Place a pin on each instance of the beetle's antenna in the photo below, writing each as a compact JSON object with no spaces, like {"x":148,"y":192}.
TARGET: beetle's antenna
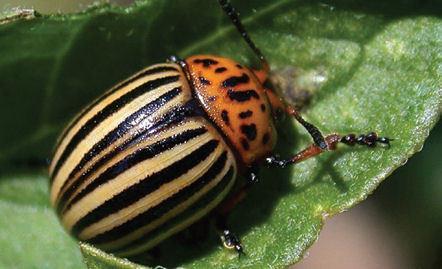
{"x":234,"y":17}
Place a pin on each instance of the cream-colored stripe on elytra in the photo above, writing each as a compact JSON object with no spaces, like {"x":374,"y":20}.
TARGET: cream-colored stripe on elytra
{"x":116,"y":88}
{"x":184,"y":223}
{"x":186,"y":125}
{"x":109,"y":99}
{"x":129,"y":177}
{"x":169,"y":215}
{"x":146,"y":123}
{"x":153,"y":199}
{"x":104,"y":128}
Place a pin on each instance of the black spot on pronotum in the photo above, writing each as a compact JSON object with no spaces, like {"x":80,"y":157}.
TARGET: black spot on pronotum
{"x":263,"y":108}
{"x":245,"y":114}
{"x":245,"y":144}
{"x":249,"y":130}
{"x":265,"y":138}
{"x":225,"y":117}
{"x":239,"y":66}
{"x":206,"y":62}
{"x":220,"y":69}
{"x":242,"y":96}
{"x":268,"y":85}
{"x":235,"y":81}
{"x":204,"y":81}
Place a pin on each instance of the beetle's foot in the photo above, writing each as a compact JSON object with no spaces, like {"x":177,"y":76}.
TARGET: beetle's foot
{"x":252,"y":175}
{"x":371,"y":140}
{"x":174,"y":59}
{"x":331,"y":141}
{"x":177,"y":60}
{"x":231,"y":241}
{"x":275,"y":160}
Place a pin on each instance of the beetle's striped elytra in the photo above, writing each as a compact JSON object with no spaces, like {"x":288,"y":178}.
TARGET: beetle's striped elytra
{"x":137,"y":159}
{"x":163,"y":148}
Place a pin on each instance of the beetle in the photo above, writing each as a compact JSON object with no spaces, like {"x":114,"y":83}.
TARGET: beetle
{"x":163,"y":148}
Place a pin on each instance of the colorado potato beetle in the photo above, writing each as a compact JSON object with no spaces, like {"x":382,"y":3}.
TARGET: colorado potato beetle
{"x":163,"y":148}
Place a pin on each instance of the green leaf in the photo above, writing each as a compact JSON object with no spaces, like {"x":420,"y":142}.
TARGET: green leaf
{"x":30,"y":234}
{"x":97,"y":259}
{"x":370,"y":66}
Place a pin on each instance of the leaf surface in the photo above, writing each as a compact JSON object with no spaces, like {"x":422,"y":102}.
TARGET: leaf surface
{"x":369,"y":66}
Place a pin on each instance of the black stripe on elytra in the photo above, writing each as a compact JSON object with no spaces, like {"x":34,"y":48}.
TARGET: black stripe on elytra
{"x":201,"y":204}
{"x":249,"y":130}
{"x":235,"y":81}
{"x":110,"y":109}
{"x":206,"y":62}
{"x":174,"y":116}
{"x":245,"y":114}
{"x":162,"y":208}
{"x":124,"y":164}
{"x":128,"y":123}
{"x":119,"y":86}
{"x":242,"y":96}
{"x":145,"y":186}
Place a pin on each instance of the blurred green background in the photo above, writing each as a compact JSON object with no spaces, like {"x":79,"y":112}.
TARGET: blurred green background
{"x":399,"y":226}
{"x":53,"y":6}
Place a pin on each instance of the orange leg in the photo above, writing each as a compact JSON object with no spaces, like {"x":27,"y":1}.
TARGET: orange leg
{"x":370,"y":140}
{"x":321,"y":143}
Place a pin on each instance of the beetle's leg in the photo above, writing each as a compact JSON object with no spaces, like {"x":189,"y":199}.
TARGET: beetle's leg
{"x":229,"y":239}
{"x":279,"y":107}
{"x":229,"y":204}
{"x":314,"y":132}
{"x":262,"y":75}
{"x":176,"y":59}
{"x":370,"y":140}
{"x":321,"y":143}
